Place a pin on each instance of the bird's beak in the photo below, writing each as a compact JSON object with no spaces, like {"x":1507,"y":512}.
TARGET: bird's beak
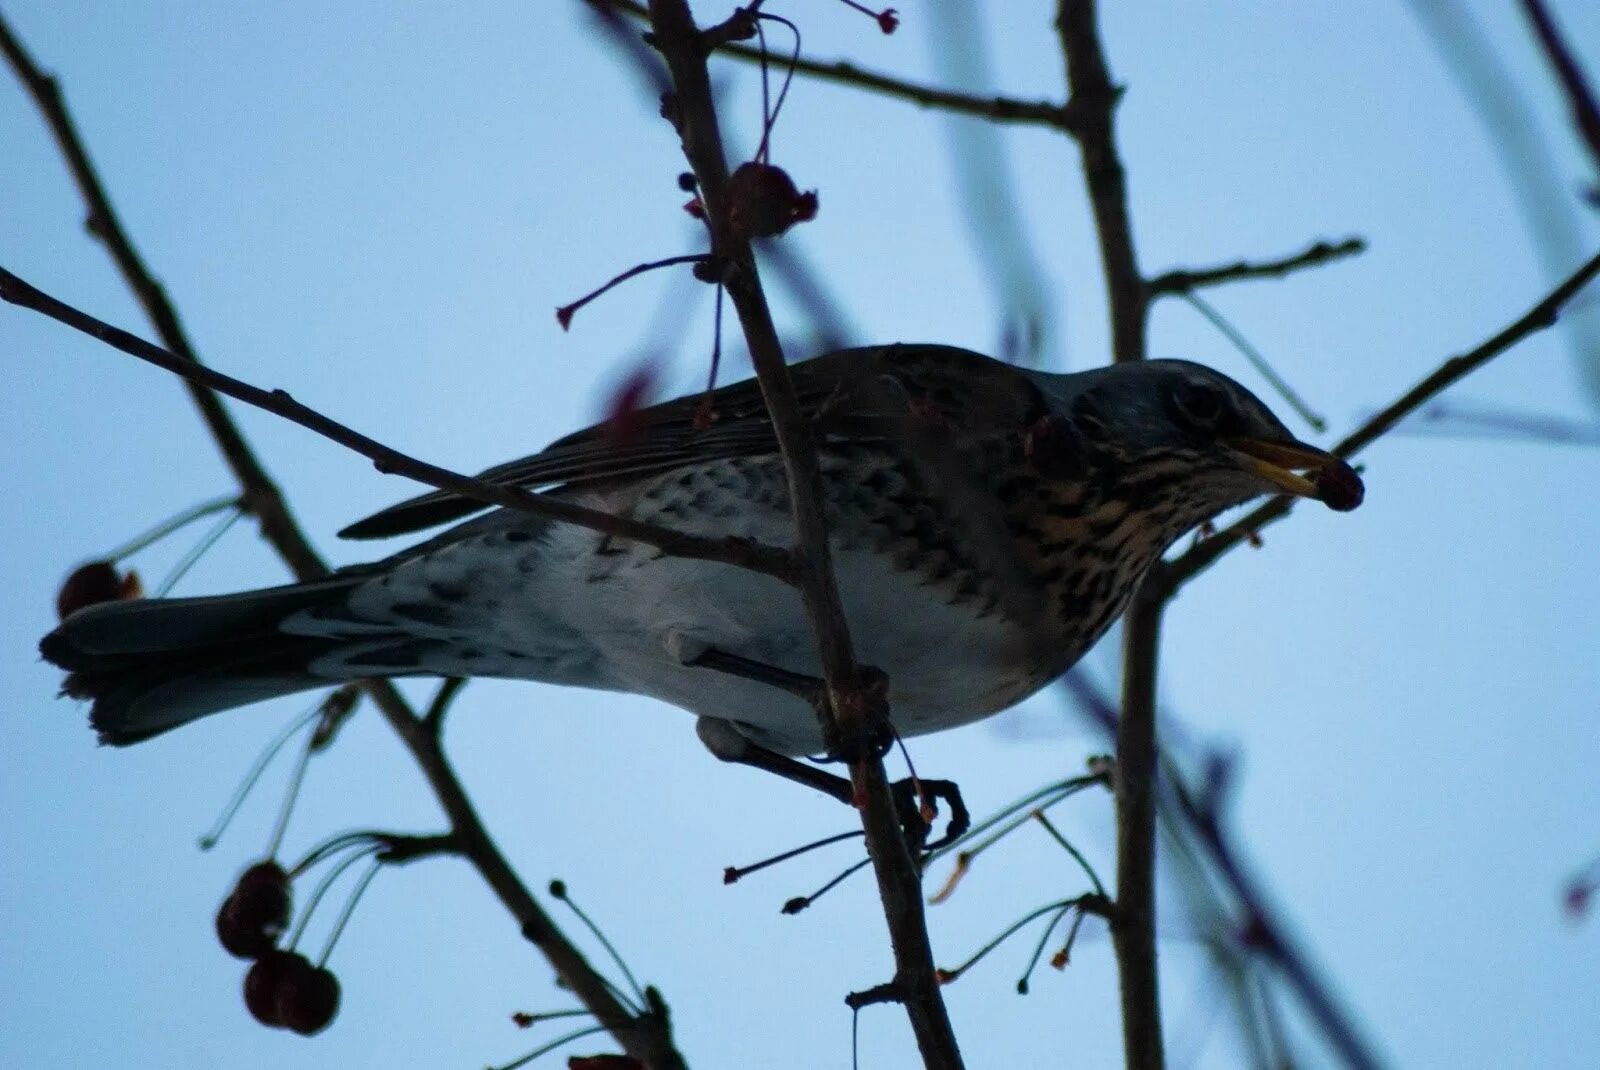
{"x":1325,"y":477}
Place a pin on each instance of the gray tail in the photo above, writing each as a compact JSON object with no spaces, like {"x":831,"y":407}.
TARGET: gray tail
{"x":153,"y":665}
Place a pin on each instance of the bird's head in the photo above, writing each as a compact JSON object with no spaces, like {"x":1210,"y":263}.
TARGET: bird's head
{"x":1182,"y":439}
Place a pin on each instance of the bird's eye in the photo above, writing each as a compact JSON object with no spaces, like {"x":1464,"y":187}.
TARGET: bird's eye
{"x":1200,"y":405}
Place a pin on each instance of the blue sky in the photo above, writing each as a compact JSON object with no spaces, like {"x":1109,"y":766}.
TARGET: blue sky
{"x":378,"y":206}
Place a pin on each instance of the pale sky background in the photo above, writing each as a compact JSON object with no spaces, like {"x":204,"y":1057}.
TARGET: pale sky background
{"x":377,"y":206}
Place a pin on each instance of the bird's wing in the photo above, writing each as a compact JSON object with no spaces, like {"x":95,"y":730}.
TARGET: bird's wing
{"x":853,"y":395}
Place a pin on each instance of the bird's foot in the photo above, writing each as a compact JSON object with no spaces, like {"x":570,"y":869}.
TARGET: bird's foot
{"x":916,"y":802}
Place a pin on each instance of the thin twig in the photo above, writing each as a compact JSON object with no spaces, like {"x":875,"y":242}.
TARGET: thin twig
{"x":1580,"y":97}
{"x":841,"y":72}
{"x":1185,"y":281}
{"x":648,"y":1036}
{"x":1166,"y":579}
{"x":694,"y":113}
{"x":1258,"y":360}
{"x":449,"y":688}
{"x":744,"y":553}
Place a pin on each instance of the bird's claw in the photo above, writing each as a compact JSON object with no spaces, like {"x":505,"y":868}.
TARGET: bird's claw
{"x":914,"y":801}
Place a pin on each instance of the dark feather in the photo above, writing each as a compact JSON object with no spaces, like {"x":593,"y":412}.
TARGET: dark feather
{"x":152,"y":665}
{"x":853,"y":395}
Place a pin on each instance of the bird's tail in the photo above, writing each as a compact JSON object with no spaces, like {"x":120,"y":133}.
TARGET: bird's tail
{"x":153,"y":665}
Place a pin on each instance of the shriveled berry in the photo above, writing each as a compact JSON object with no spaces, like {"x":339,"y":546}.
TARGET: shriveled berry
{"x":238,"y":939}
{"x":96,"y":582}
{"x":1339,"y":487}
{"x":763,"y":201}
{"x":265,"y":981}
{"x":308,"y":999}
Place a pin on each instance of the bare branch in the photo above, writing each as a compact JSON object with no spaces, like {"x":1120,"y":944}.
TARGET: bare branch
{"x":1166,"y":579}
{"x":851,"y":705}
{"x":744,"y":553}
{"x":1258,"y":360}
{"x":1094,"y":99}
{"x":842,"y":72}
{"x":1322,"y":252}
{"x":449,"y":689}
{"x":1133,"y":930}
{"x":1580,"y":98}
{"x":1133,"y":925}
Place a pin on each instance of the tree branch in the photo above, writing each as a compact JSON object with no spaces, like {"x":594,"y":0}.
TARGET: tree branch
{"x":1133,"y":926}
{"x":852,"y":706}
{"x":645,"y":1035}
{"x":744,"y":553}
{"x":1167,"y":578}
{"x":1128,"y":297}
{"x":1094,"y":99}
{"x":842,"y":72}
{"x":1580,"y":98}
{"x":1322,"y":252}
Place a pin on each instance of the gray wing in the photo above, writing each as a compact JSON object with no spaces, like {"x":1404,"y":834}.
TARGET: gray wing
{"x":852,"y":395}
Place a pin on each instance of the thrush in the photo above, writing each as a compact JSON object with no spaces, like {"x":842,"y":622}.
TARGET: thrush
{"x":988,"y":523}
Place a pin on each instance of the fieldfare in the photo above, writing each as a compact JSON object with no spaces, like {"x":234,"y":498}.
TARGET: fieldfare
{"x":988,"y":522}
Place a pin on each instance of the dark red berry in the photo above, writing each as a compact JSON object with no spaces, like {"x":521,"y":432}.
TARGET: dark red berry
{"x":96,"y":582}
{"x":262,"y":899}
{"x":763,"y":201}
{"x":1339,"y":487}
{"x":238,"y":939}
{"x":264,"y":982}
{"x":308,"y":999}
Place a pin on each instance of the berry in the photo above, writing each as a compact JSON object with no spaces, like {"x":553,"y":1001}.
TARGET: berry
{"x":763,"y":201}
{"x":96,"y":582}
{"x":308,"y":998}
{"x":1339,"y":487}
{"x":262,"y":897}
{"x":264,"y":982}
{"x":238,"y":939}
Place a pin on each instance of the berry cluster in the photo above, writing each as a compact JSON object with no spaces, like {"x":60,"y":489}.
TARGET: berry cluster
{"x":283,"y":989}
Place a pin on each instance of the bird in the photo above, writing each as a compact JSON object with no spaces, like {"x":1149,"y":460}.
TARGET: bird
{"x":988,"y":523}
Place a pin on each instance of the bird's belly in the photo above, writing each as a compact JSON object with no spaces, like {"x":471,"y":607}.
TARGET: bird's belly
{"x":948,"y":662}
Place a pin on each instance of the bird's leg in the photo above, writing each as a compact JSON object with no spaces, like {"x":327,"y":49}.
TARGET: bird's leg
{"x":811,"y":690}
{"x":724,"y":740}
{"x":808,"y":689}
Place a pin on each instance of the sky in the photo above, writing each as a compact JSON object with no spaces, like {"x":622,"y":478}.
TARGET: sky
{"x":378,"y":207}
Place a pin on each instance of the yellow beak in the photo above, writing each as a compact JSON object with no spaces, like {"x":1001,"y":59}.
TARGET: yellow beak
{"x":1326,"y":478}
